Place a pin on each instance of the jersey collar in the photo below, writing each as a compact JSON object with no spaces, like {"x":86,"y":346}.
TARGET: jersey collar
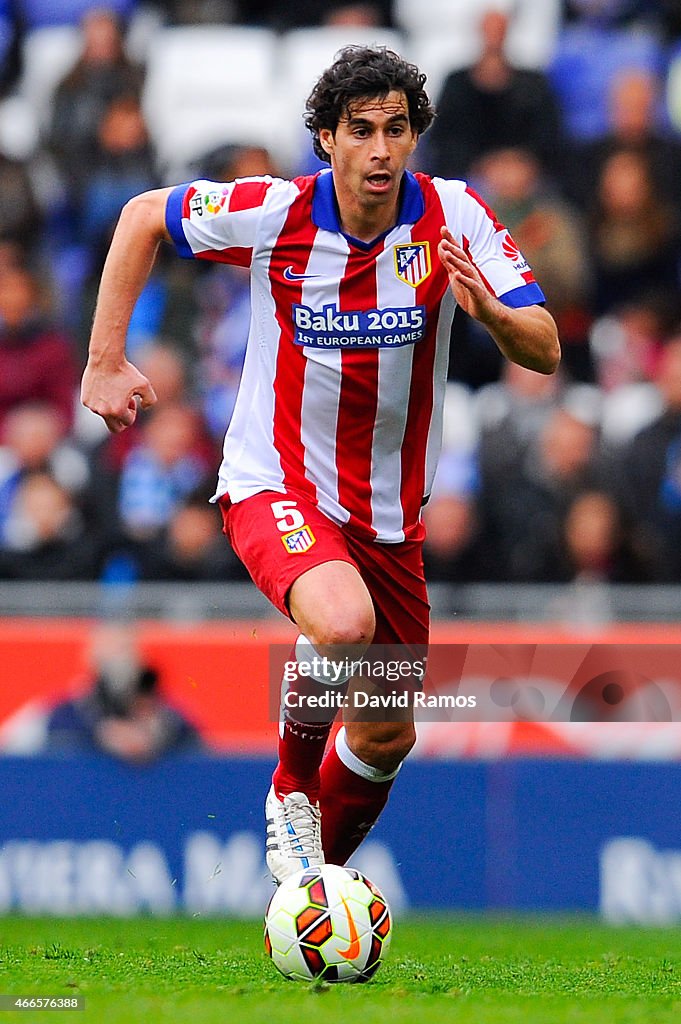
{"x":325,"y":209}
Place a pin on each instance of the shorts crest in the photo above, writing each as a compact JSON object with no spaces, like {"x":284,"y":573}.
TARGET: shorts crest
{"x":412,"y":262}
{"x":298,"y":541}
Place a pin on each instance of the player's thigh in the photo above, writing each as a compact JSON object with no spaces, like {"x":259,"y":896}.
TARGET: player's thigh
{"x":300,"y":560}
{"x":331,"y":604}
{"x":395,"y":578}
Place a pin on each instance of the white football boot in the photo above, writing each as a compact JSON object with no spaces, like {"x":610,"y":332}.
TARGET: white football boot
{"x":294,"y":834}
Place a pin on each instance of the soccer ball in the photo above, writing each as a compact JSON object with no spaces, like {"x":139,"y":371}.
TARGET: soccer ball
{"x":328,"y":922}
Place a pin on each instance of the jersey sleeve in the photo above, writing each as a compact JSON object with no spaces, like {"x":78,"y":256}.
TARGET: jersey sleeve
{"x":493,"y":252}
{"x":217,"y":221}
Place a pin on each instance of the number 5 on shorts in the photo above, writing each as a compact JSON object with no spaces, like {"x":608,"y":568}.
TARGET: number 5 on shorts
{"x":287,"y":515}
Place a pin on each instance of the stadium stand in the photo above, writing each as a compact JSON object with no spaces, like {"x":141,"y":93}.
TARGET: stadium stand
{"x":211,"y":91}
{"x":207,"y":85}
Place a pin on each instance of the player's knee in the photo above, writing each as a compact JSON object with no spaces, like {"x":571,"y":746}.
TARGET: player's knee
{"x":344,"y":629}
{"x":383,"y":745}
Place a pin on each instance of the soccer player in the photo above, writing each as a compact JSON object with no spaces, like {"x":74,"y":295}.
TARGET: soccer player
{"x":332,"y":447}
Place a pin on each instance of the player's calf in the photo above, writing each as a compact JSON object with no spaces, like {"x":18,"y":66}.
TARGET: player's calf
{"x":381,"y":745}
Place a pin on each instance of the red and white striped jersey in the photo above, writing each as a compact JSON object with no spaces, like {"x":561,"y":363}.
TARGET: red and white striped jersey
{"x":342,"y":389}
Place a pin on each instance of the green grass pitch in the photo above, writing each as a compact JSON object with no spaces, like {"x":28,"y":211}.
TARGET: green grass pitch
{"x":470,"y":970}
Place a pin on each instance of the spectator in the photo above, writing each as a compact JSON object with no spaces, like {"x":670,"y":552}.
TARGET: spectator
{"x":526,"y":510}
{"x":635,"y":124}
{"x":552,"y":238}
{"x":102,"y":73}
{"x":45,"y":536}
{"x":165,"y":467}
{"x":511,"y":415}
{"x":121,"y":165}
{"x":634,"y":233}
{"x":34,"y":441}
{"x":355,"y":15}
{"x":453,"y":548}
{"x":648,"y":480}
{"x":191,"y":546}
{"x":21,"y":219}
{"x":493,"y":105}
{"x":170,"y":369}
{"x":628,"y":342}
{"x":36,"y":359}
{"x":627,"y":345}
{"x":122,"y":712}
{"x":598,"y":547}
{"x":235,"y":160}
{"x":127,"y":450}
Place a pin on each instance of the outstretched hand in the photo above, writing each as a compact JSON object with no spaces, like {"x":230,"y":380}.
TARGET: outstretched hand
{"x":115,"y":394}
{"x":526,"y":335}
{"x":464,"y":279}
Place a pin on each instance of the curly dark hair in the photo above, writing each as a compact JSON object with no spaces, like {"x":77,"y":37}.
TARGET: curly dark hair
{"x":359,"y":73}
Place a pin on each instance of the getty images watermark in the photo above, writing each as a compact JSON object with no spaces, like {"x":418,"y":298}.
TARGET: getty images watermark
{"x":386,"y":683}
{"x":569,"y":682}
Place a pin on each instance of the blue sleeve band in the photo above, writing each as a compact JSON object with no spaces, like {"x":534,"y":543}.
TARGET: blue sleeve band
{"x":526,"y":295}
{"x":174,"y":221}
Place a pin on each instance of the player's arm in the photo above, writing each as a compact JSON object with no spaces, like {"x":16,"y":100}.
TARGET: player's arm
{"x":111,"y":385}
{"x":527,"y":335}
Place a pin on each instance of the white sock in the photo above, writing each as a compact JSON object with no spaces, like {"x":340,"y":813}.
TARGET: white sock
{"x":351,"y":761}
{"x":305,"y":651}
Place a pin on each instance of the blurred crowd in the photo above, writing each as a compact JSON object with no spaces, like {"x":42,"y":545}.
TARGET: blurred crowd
{"x":117,"y":706}
{"x":542,"y":479}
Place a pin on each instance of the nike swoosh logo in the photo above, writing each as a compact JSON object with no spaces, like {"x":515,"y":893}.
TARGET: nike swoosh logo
{"x":354,"y":949}
{"x":290,"y":275}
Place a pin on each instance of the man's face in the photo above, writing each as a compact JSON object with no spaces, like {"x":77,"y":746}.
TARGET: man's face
{"x":370,"y":149}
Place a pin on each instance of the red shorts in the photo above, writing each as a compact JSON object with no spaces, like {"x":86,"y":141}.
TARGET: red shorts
{"x":279,"y":536}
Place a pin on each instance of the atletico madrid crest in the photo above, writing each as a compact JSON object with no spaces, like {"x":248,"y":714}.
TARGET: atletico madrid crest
{"x":298,"y":541}
{"x":412,"y":262}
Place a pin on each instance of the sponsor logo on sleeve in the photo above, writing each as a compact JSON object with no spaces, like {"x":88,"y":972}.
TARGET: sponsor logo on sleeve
{"x":412,"y":262}
{"x":513,"y":253}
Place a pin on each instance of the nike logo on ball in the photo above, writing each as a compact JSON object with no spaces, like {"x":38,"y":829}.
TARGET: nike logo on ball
{"x":353,"y":950}
{"x":290,"y":275}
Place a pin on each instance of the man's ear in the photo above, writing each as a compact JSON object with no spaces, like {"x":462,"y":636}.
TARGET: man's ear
{"x":326,"y":140}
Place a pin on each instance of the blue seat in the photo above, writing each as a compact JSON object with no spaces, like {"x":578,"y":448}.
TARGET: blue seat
{"x":587,"y":60}
{"x":38,"y":13}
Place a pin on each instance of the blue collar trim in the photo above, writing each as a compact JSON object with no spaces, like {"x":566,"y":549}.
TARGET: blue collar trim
{"x":325,"y":208}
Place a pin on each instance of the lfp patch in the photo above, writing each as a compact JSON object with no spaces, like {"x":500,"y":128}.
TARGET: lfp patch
{"x":214,"y":201}
{"x":412,"y":262}
{"x":297,"y":542}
